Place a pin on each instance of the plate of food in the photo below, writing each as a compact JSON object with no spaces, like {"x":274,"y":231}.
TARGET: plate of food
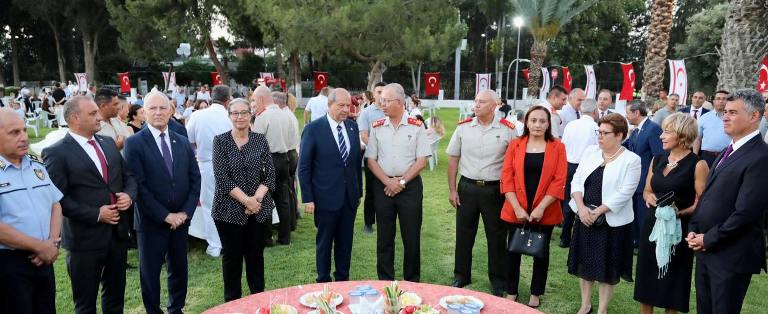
{"x":312,"y":299}
{"x":461,"y":300}
{"x":409,"y":298}
{"x":279,"y":309}
{"x":419,"y":309}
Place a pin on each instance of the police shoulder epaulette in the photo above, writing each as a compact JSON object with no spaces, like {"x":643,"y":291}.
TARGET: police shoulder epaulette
{"x":379,"y":122}
{"x":414,"y":121}
{"x":35,"y":158}
{"x":464,"y":121}
{"x":507,"y":123}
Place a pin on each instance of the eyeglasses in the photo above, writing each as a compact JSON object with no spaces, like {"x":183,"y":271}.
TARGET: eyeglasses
{"x":602,"y":133}
{"x":238,"y":114}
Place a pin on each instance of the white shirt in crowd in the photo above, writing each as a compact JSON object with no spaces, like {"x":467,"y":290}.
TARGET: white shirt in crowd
{"x":317,"y":107}
{"x":335,"y":132}
{"x":203,"y":126}
{"x":89,"y":149}
{"x":556,"y":121}
{"x":519,"y":126}
{"x":156,"y":135}
{"x":577,"y":136}
{"x":293,"y":141}
{"x":201,"y":95}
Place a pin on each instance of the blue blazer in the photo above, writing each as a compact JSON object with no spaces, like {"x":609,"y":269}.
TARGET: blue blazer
{"x":646,"y":144}
{"x":323,"y":176}
{"x":161,"y":193}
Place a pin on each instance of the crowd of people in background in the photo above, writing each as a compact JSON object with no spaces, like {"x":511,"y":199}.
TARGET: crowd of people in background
{"x":665,"y":183}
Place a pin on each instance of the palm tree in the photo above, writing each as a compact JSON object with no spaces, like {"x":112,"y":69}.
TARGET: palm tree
{"x":656,"y":47}
{"x":545,"y":18}
{"x":745,"y":43}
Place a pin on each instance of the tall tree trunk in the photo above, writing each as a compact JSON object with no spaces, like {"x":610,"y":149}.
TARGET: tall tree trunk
{"x":15,"y":60}
{"x":2,"y":78}
{"x":413,"y":77}
{"x":418,"y":79}
{"x":59,"y":53}
{"x":279,"y":59}
{"x":223,"y":71}
{"x":656,"y":48}
{"x":377,"y":73}
{"x":745,"y":43}
{"x":90,"y":45}
{"x":295,"y":74}
{"x":538,"y":53}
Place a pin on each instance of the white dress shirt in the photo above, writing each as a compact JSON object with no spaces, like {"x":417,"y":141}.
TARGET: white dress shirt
{"x":156,"y":135}
{"x":317,"y":107}
{"x":90,"y":150}
{"x":577,"y":136}
{"x":335,"y":132}
{"x":203,"y":126}
{"x":738,"y":144}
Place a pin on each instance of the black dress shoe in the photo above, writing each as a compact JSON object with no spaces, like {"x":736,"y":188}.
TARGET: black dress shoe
{"x":564,"y":244}
{"x":498,"y":292}
{"x":459,"y":284}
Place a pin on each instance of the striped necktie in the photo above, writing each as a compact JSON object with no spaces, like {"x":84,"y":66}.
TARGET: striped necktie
{"x":342,"y":145}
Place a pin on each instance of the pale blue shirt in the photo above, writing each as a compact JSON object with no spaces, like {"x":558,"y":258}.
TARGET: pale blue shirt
{"x":713,"y":137}
{"x":26,"y":198}
{"x":368,"y":116}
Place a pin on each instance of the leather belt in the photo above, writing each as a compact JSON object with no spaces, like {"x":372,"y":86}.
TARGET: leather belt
{"x":479,"y":182}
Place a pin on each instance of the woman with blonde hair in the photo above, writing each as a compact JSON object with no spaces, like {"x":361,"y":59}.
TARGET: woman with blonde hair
{"x":675,"y":181}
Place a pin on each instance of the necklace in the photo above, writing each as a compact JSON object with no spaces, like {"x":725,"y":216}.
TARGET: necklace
{"x":672,"y":164}
{"x":614,"y":154}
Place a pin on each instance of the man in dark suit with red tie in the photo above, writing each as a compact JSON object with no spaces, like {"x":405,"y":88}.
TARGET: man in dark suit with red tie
{"x":330,"y":176}
{"x":168,"y":177}
{"x":726,"y":228}
{"x":98,"y":189}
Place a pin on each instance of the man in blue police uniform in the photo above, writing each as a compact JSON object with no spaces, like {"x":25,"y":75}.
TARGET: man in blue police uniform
{"x":30,"y":224}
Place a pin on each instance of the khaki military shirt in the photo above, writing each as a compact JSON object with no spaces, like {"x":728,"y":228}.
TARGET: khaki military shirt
{"x":277,"y":127}
{"x":397,"y":149}
{"x":481,"y":148}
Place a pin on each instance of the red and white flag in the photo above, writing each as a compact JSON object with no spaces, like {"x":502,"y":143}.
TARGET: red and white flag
{"x":525,"y":74}
{"x":82,"y":82}
{"x":215,"y":78}
{"x":321,"y":80}
{"x":567,"y":79}
{"x":545,"y":83}
{"x":762,"y":76}
{"x":591,"y":87}
{"x":125,"y":82}
{"x":678,"y":80}
{"x":628,"y":88}
{"x":170,"y":80}
{"x":482,"y":82}
{"x":432,"y":83}
{"x":266,"y":75}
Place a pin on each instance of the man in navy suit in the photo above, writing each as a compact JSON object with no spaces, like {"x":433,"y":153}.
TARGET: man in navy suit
{"x":645,"y":142}
{"x":726,"y":227}
{"x":696,"y":109}
{"x":164,"y":165}
{"x":330,"y":176}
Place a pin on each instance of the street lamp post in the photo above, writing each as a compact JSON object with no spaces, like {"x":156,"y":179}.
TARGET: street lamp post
{"x":518,"y":22}
{"x":485,"y":59}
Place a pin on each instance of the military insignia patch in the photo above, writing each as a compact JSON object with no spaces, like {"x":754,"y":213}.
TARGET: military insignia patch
{"x":40,"y":174}
{"x":2,"y":165}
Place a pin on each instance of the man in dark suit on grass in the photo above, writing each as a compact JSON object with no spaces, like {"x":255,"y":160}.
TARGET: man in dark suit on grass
{"x":98,"y":189}
{"x":166,"y":171}
{"x":331,"y":183}
{"x":726,"y":228}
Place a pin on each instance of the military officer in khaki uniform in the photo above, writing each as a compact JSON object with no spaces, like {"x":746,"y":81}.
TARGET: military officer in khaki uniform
{"x":397,"y":151}
{"x":476,"y":152}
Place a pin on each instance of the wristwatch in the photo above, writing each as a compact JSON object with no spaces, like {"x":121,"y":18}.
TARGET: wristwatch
{"x":402,"y":182}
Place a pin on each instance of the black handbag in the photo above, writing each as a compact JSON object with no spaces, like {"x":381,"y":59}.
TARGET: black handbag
{"x":600,"y":220}
{"x":527,"y":242}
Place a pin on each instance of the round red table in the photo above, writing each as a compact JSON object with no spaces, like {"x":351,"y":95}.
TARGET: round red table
{"x":429,"y":293}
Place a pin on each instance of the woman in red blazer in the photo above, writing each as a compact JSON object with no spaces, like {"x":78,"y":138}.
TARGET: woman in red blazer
{"x":533,"y":183}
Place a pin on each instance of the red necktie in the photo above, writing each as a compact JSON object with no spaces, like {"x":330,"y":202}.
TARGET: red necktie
{"x":696,"y":114}
{"x":104,"y":169}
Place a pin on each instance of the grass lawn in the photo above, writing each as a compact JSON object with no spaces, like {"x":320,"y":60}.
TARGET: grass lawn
{"x":295,"y":264}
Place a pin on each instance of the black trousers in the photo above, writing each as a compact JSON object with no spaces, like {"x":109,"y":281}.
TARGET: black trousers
{"x":540,"y":265}
{"x":476,"y":201}
{"x":335,"y":230}
{"x":719,"y":290}
{"x":24,"y":287}
{"x":293,"y":163}
{"x":369,"y":211}
{"x":568,"y":215}
{"x":242,"y":243}
{"x":282,"y":196}
{"x":88,"y":269}
{"x":407,"y":205}
{"x":155,"y":248}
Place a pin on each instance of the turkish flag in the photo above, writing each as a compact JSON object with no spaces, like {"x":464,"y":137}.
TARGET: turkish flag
{"x":432,"y":83}
{"x":525,"y":74}
{"x":125,"y":82}
{"x":628,"y":88}
{"x":321,"y":80}
{"x":762,"y":74}
{"x":567,"y":79}
{"x":215,"y":78}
